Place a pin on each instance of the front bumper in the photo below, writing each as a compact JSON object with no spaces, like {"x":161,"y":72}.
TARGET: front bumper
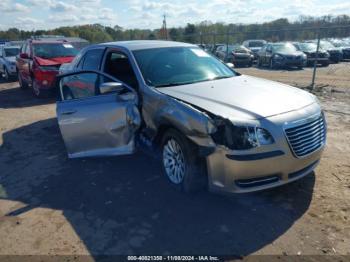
{"x":232,"y":171}
{"x":12,"y":70}
{"x":45,"y":79}
{"x":335,"y":56}
{"x":290,"y":62}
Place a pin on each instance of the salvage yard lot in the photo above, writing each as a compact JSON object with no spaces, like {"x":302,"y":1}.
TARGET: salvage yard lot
{"x":122,"y":205}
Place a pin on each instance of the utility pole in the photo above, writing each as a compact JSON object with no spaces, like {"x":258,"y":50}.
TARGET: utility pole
{"x":164,"y":30}
{"x":316,"y":58}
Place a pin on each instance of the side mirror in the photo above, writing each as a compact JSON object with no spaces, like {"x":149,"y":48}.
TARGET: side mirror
{"x":110,"y":87}
{"x":23,"y":55}
{"x":230,"y":65}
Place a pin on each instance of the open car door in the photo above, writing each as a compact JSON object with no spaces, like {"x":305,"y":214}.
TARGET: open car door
{"x":97,"y":114}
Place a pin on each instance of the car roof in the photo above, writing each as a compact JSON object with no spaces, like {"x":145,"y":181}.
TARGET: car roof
{"x":146,"y":44}
{"x":11,"y":46}
{"x":48,"y":42}
{"x":255,"y":40}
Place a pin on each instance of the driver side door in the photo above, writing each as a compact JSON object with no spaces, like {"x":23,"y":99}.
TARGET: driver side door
{"x":97,"y":114}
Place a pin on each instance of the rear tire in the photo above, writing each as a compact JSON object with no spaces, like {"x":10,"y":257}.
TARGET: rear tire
{"x":181,"y":164}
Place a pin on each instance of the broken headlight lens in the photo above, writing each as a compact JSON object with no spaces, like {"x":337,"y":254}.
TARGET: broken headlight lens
{"x":247,"y":137}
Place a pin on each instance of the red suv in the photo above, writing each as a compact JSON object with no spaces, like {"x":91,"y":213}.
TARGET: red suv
{"x":39,"y":61}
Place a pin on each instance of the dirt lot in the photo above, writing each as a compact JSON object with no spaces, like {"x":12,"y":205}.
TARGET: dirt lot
{"x":122,"y":205}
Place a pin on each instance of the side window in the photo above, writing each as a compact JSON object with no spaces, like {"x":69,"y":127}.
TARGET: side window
{"x":23,"y":49}
{"x":92,"y":59}
{"x":27,"y":50}
{"x":118,"y":65}
{"x":77,"y":59}
{"x":79,"y":86}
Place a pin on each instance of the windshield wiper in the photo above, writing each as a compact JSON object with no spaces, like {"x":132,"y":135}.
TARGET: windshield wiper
{"x":174,"y":84}
{"x":220,"y":77}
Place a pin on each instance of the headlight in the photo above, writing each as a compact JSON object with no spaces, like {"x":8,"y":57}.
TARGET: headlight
{"x":250,"y":137}
{"x":48,"y":68}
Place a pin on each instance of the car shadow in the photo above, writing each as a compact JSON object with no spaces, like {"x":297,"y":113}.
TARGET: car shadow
{"x":123,"y":205}
{"x":12,"y":96}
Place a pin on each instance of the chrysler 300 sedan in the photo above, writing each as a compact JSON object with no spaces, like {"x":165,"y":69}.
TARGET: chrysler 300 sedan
{"x":211,"y":126}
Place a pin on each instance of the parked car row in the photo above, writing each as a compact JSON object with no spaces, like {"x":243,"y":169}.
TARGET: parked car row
{"x":282,"y":54}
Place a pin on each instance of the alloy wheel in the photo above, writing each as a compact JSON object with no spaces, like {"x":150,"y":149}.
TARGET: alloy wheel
{"x":174,"y":161}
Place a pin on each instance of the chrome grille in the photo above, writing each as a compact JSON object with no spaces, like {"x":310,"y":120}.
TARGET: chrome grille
{"x":308,"y":137}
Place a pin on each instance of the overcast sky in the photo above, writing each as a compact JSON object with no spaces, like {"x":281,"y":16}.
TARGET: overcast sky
{"x":44,"y":14}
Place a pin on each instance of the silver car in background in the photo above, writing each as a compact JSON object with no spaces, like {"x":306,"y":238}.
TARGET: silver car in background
{"x":211,"y":126}
{"x":8,"y":61}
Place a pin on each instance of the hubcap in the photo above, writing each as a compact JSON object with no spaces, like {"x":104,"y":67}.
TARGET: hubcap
{"x":174,"y":161}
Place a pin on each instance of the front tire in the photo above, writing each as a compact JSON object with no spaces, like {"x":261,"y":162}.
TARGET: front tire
{"x":6,"y":75}
{"x":259,"y":63}
{"x":37,"y":92}
{"x":22,"y":83}
{"x":181,"y":165}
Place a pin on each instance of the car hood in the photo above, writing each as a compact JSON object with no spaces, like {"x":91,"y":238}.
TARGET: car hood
{"x":53,"y":61}
{"x":242,"y":97}
{"x":296,"y":53}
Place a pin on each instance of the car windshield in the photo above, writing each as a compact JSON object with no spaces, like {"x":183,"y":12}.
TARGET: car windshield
{"x":11,"y":51}
{"x":256,"y":44}
{"x":173,"y":66}
{"x":285,"y":48}
{"x":340,"y":43}
{"x":240,"y":49}
{"x":54,"y":50}
{"x":326,"y":45}
{"x":308,"y":47}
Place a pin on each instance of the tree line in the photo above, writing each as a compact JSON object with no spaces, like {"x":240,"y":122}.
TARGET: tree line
{"x":306,"y":27}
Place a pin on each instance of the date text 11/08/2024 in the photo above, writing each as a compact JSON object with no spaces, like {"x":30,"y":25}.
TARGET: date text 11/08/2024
{"x":173,"y":258}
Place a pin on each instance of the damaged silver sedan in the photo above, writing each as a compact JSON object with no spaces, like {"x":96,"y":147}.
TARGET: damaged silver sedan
{"x":211,"y":126}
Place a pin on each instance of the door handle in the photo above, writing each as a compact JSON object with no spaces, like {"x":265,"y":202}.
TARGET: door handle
{"x":69,"y":112}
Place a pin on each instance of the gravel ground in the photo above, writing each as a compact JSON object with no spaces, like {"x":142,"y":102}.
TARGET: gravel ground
{"x":50,"y":205}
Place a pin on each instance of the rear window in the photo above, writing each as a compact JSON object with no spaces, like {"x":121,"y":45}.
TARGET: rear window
{"x":256,"y":44}
{"x":54,"y":50}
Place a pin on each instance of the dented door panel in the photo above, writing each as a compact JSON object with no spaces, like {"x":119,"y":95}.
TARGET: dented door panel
{"x":98,"y":126}
{"x":159,"y":109}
